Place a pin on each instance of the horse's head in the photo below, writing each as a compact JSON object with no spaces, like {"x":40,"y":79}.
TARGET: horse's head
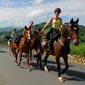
{"x":26,"y":33}
{"x":73,"y":31}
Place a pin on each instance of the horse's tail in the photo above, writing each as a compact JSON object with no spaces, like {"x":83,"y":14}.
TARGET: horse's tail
{"x":10,"y":46}
{"x":9,"y":42}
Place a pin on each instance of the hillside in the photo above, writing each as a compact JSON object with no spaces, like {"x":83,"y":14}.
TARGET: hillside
{"x":81,"y":29}
{"x":79,"y":50}
{"x":7,"y":30}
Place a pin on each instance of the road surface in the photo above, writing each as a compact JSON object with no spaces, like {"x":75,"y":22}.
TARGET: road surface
{"x":10,"y":74}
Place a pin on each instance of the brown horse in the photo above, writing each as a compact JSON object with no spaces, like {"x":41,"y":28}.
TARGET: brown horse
{"x":14,"y":48}
{"x":62,"y":47}
{"x":25,"y":46}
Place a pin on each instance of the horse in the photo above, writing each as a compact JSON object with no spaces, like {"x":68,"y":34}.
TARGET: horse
{"x":26,"y":46}
{"x":13,"y":47}
{"x":61,"y":47}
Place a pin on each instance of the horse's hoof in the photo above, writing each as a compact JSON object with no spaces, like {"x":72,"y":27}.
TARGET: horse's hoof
{"x":46,"y":69}
{"x":18,"y":64}
{"x":28,"y":69}
{"x":37,"y":67}
{"x":61,"y":79}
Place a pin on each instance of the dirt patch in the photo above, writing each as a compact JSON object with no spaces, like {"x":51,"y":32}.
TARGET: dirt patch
{"x":77,"y":59}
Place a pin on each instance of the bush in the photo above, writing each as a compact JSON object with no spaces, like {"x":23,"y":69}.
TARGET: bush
{"x":78,"y":50}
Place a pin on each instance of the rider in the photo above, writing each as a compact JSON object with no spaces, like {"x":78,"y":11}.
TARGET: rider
{"x":56,"y":28}
{"x":13,"y":34}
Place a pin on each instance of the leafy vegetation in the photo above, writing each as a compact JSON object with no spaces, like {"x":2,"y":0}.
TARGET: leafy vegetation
{"x":78,"y":50}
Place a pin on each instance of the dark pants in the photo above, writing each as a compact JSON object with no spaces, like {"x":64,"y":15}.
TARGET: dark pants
{"x":17,"y":39}
{"x":52,"y":35}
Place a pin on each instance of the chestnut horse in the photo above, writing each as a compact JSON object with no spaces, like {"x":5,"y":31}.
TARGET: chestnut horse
{"x":25,"y":46}
{"x":14,"y":48}
{"x":62,"y":47}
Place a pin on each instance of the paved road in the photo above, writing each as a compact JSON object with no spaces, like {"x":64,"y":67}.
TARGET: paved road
{"x":10,"y":74}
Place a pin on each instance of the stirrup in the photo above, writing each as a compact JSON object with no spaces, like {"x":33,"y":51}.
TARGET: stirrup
{"x":48,"y":49}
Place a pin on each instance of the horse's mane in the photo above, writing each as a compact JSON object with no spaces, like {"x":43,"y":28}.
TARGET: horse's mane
{"x":64,"y":29}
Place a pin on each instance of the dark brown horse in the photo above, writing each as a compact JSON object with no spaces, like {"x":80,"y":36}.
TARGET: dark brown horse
{"x":62,"y":47}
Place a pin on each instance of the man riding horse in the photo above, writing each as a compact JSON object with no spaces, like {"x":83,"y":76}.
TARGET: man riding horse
{"x":56,"y":28}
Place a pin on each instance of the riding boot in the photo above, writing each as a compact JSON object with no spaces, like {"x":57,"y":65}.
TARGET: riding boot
{"x":50,"y":46}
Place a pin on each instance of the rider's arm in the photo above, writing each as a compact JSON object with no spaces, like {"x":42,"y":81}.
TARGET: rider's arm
{"x":12,"y":34}
{"x":61,"y":26}
{"x":46,"y":24}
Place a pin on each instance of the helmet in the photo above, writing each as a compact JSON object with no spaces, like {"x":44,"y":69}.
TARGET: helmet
{"x":57,"y":10}
{"x":14,"y":29}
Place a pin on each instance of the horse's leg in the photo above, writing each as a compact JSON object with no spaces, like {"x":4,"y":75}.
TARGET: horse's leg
{"x":9,"y":49}
{"x":30,"y":54}
{"x":16,"y":55}
{"x":37,"y":62}
{"x":66,"y":64}
{"x":58,"y":66}
{"x":40,"y":64}
{"x":40,"y":55}
{"x":28,"y":65}
{"x":13,"y":50}
{"x":20,"y":58}
{"x":45,"y":62}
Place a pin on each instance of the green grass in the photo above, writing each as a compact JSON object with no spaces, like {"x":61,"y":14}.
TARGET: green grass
{"x":3,"y":43}
{"x":78,"y":50}
{"x":82,"y":38}
{"x":46,"y":31}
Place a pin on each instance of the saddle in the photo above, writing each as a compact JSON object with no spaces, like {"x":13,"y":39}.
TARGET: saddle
{"x":50,"y":42}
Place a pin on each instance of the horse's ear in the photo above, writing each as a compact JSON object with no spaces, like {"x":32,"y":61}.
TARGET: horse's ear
{"x":77,"y":20}
{"x":71,"y":21}
{"x":25,"y":27}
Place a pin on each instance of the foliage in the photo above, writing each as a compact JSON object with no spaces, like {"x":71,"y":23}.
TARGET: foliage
{"x":78,"y":50}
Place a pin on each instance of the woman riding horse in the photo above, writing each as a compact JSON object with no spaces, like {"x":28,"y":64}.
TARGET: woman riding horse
{"x":61,"y":46}
{"x":55,"y":29}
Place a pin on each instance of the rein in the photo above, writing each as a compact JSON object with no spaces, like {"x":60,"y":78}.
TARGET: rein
{"x":63,"y":33}
{"x":61,"y":42}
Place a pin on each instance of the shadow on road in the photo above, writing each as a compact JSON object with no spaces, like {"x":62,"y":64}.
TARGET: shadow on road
{"x":75,"y":75}
{"x":32,"y":64}
{"x":3,"y":52}
{"x":72,"y":75}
